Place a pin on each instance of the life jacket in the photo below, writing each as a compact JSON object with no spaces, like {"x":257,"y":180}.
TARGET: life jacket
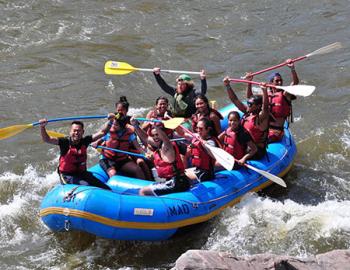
{"x":74,"y":161}
{"x":280,"y":106}
{"x":169,"y":132}
{"x":232,"y":145}
{"x":168,"y":170}
{"x":117,"y":142}
{"x":196,"y":117}
{"x":259,"y":136}
{"x":179,"y":105}
{"x":200,"y":157}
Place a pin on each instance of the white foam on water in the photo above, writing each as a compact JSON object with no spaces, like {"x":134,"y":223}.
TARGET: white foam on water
{"x":345,"y":137}
{"x":19,"y":208}
{"x":260,"y":225}
{"x":138,"y":111}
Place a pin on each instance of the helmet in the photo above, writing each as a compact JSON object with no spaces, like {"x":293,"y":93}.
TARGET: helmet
{"x":184,"y":77}
{"x":273,"y":75}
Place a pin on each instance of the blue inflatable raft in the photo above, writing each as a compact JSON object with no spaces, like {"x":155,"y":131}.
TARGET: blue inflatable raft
{"x":124,"y":215}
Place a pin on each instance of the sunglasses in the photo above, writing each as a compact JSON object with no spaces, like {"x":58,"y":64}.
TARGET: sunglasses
{"x":250,"y":103}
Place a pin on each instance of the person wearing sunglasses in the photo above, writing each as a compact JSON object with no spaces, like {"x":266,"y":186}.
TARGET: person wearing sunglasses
{"x":182,"y":104}
{"x":167,"y":161}
{"x":202,"y":162}
{"x":255,"y":116}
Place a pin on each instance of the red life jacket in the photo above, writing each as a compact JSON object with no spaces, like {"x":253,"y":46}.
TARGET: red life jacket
{"x":169,"y":132}
{"x":117,"y":142}
{"x":232,"y":144}
{"x":74,"y":161}
{"x":259,"y":136}
{"x":200,"y":157}
{"x":196,"y":117}
{"x":280,"y":106}
{"x":168,"y":170}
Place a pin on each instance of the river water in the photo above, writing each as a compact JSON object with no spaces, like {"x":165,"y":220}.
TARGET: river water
{"x":52,"y":55}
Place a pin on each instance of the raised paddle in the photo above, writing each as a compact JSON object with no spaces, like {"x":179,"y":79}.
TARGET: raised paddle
{"x":225,"y":159}
{"x":122,"y":68}
{"x":171,"y":123}
{"x":10,"y":131}
{"x":323,"y":50}
{"x":297,"y":90}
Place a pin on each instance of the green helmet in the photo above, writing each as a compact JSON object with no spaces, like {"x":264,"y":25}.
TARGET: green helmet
{"x":184,"y":77}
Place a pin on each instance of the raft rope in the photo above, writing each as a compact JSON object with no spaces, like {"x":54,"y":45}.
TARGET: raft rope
{"x":71,"y":194}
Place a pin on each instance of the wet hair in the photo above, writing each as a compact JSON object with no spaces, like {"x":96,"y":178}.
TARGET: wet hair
{"x":208,"y":124}
{"x":76,"y":122}
{"x":124,"y":102}
{"x":235,"y":114}
{"x":162,"y":98}
{"x":204,"y":98}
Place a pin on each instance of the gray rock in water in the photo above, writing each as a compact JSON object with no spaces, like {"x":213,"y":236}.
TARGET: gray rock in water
{"x":204,"y":259}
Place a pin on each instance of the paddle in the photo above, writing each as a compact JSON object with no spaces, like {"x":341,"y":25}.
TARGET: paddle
{"x":268,"y":175}
{"x":225,"y":159}
{"x":297,"y":90}
{"x":171,"y":123}
{"x":10,"y":131}
{"x":323,"y":50}
{"x":55,"y":134}
{"x":122,"y":68}
{"x":121,"y":151}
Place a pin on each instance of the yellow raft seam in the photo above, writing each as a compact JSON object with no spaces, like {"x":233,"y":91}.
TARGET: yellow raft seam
{"x":149,"y":225}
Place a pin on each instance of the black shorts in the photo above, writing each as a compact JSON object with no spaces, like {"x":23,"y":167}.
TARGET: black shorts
{"x":85,"y":178}
{"x":259,"y":154}
{"x":203,"y":175}
{"x":173,"y":185}
{"x":106,"y":164}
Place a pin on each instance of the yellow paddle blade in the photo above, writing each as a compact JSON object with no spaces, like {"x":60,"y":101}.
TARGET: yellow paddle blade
{"x":118,"y":68}
{"x":8,"y":132}
{"x":55,"y":134}
{"x":173,"y":122}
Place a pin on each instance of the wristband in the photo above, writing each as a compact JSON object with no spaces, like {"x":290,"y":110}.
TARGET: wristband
{"x":228,"y":87}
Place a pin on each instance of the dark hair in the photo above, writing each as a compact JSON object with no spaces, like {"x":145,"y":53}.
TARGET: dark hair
{"x":235,"y":114}
{"x":208,"y":124}
{"x":257,"y":100}
{"x":202,"y":97}
{"x":76,"y":122}
{"x":162,"y":98}
{"x":124,"y":102}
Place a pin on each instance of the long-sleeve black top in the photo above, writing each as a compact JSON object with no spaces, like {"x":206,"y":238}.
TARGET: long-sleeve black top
{"x":188,"y":95}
